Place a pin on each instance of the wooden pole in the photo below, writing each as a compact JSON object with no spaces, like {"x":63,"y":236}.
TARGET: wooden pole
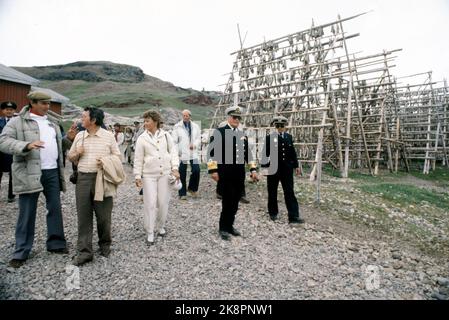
{"x":351,"y":85}
{"x":445,"y":126}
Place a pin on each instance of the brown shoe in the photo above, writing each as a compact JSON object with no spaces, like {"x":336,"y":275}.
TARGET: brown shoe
{"x":244,"y":200}
{"x":194,"y":194}
{"x":79,"y":261}
{"x":16,"y":263}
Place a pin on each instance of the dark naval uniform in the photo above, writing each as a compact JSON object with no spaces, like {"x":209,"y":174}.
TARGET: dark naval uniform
{"x":228,"y":153}
{"x":281,"y":169}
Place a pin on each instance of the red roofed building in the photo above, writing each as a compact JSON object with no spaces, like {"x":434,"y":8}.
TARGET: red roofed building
{"x":15,"y":86}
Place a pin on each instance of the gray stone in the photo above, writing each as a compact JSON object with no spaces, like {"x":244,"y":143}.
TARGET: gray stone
{"x":444,"y":291}
{"x":443,"y":281}
{"x":438,"y":296}
{"x":396,"y":255}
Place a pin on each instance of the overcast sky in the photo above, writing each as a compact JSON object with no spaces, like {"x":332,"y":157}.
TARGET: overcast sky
{"x":189,"y":42}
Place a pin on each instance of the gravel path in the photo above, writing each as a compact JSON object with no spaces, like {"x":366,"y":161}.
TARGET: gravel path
{"x":326,"y":258}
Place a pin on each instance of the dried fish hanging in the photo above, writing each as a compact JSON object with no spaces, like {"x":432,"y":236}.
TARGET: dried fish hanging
{"x":340,"y":106}
{"x":422,"y":120}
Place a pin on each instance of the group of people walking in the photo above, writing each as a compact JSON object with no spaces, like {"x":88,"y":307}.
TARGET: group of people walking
{"x":160,"y":164}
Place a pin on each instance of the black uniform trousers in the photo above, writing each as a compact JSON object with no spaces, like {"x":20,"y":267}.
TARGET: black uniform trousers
{"x":285,"y":176}
{"x":220,"y":189}
{"x":232,"y":184}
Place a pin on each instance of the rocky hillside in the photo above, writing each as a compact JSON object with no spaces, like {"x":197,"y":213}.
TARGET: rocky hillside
{"x":123,"y":90}
{"x":88,"y":71}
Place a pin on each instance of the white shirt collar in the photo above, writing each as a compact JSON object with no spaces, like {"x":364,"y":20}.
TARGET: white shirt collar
{"x":156,"y":134}
{"x":232,"y":128}
{"x":32,"y":115}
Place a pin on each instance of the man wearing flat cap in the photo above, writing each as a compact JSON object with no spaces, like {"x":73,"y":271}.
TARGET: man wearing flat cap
{"x":7,"y":110}
{"x":35,"y":141}
{"x":279,"y":157}
{"x":227,"y":154}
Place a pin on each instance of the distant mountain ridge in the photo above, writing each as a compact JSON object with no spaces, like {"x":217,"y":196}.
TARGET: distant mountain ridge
{"x":94,"y":71}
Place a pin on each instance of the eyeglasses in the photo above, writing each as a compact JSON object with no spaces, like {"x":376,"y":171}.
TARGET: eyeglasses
{"x":236,"y":118}
{"x":280,"y":125}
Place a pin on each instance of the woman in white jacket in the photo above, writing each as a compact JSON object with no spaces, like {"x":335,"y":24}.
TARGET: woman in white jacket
{"x":155,"y":159}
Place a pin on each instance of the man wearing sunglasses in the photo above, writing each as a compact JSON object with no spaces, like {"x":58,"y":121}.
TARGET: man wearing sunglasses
{"x":279,"y":156}
{"x":228,"y":152}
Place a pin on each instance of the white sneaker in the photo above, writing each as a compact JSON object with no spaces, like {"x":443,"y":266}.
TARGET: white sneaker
{"x":150,"y":238}
{"x":162,"y":232}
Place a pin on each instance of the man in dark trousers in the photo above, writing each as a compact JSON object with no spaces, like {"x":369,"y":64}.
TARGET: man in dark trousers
{"x":228,"y":152}
{"x":279,"y":157}
{"x":7,"y":110}
{"x":219,"y":191}
{"x":35,"y":140}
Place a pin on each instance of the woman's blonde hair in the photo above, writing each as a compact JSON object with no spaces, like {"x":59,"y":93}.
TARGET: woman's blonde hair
{"x":155,"y":116}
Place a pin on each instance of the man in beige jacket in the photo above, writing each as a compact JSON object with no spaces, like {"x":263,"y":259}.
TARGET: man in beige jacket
{"x":109,"y":176}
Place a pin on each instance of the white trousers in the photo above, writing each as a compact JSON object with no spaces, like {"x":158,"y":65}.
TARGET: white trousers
{"x":156,"y":196}
{"x":123,"y":154}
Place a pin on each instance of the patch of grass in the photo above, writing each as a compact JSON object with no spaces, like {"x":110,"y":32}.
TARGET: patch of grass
{"x":407,"y":194}
{"x":381,"y":221}
{"x":440,"y":175}
{"x":331,"y":171}
{"x":363,"y":176}
{"x":78,"y":90}
{"x":117,"y":97}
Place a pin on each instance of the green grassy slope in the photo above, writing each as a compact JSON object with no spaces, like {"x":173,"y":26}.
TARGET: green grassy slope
{"x":135,"y":98}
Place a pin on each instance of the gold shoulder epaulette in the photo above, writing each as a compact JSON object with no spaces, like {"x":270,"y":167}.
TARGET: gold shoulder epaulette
{"x":253,"y":165}
{"x":212,"y":165}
